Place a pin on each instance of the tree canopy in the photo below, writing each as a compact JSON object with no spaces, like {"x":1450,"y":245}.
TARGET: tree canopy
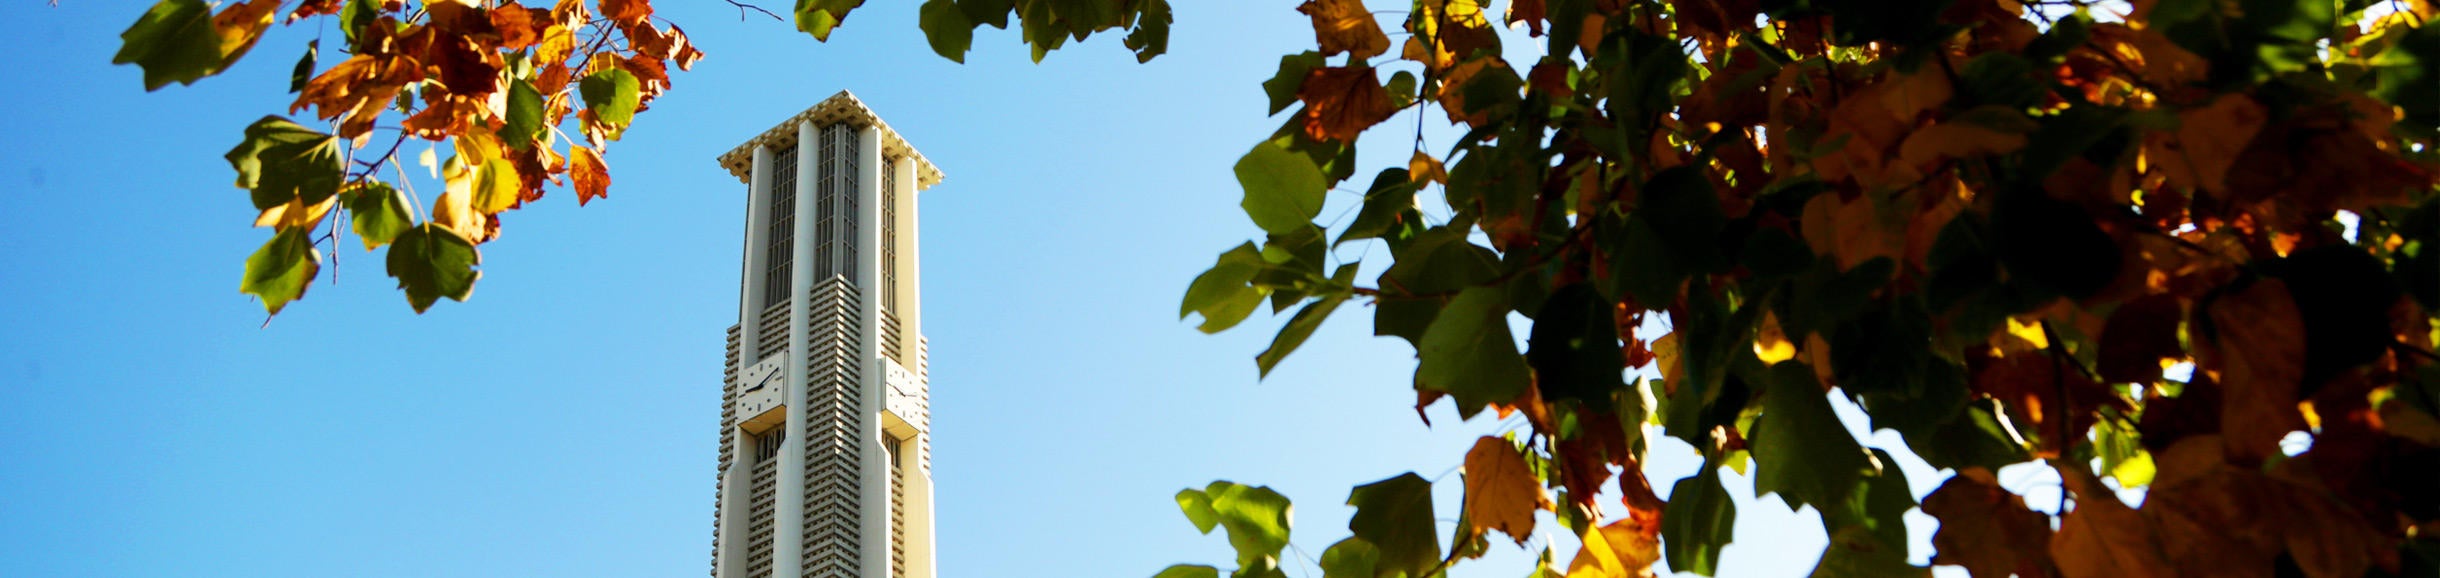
{"x":1997,"y":230}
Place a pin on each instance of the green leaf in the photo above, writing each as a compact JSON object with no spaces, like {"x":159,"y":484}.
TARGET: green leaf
{"x":1257,"y":521}
{"x":1856,"y":552}
{"x":1575,"y":349}
{"x":1401,"y":90}
{"x":1223,"y":294}
{"x":525,"y":113}
{"x":1391,"y":196}
{"x":495,"y":188}
{"x":304,"y":70}
{"x":1699,"y":521}
{"x":1878,"y":504}
{"x":354,"y":17}
{"x":1297,"y":329}
{"x":279,"y":272}
{"x":1351,"y":558}
{"x":819,"y":17}
{"x":1685,"y":215}
{"x":1189,"y":571}
{"x":1469,"y":353}
{"x":1439,"y":261}
{"x":2122,"y":454}
{"x":1198,"y":508}
{"x":1283,"y":190}
{"x":1151,"y":35}
{"x":946,"y":27}
{"x":992,"y":12}
{"x":1976,"y":437}
{"x":431,"y":262}
{"x":611,"y":95}
{"x":1804,"y":453}
{"x":175,"y":41}
{"x":1395,"y":516}
{"x":281,"y":162}
{"x":380,"y":214}
{"x":1282,"y":87}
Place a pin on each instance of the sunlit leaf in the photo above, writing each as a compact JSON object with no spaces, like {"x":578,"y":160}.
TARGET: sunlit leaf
{"x":279,"y":272}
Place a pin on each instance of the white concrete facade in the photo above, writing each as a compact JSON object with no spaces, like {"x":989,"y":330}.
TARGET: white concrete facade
{"x":825,"y":444}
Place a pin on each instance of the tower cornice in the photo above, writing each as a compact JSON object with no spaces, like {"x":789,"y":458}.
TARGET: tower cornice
{"x":841,"y":107}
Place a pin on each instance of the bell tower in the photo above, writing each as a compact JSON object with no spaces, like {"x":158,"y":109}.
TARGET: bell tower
{"x":825,"y":444}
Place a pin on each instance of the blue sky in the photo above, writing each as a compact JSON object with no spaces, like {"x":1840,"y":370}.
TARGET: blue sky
{"x":564,"y":422}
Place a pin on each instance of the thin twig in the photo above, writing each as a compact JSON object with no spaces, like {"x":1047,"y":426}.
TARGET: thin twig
{"x":743,"y":7}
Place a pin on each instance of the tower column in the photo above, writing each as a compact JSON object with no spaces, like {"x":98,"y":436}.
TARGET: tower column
{"x":788,"y":534}
{"x":876,"y":459}
{"x":735,"y":495}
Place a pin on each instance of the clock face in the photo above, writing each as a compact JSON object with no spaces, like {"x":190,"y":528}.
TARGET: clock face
{"x":764,"y":374}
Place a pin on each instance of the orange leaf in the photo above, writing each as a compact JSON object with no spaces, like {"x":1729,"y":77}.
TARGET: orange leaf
{"x":2256,"y":348}
{"x":684,"y":54}
{"x":1345,"y":26}
{"x":1501,"y":490}
{"x":592,"y":178}
{"x":1849,"y":230}
{"x":1342,"y":101}
{"x":1955,"y":140}
{"x":519,"y":27}
{"x":1987,"y":529}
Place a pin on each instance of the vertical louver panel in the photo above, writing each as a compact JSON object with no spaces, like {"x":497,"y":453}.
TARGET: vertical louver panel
{"x":834,"y":427}
{"x":758,"y":530}
{"x":898,"y":510}
{"x":847,"y":142}
{"x":728,"y":437}
{"x":780,"y":254}
{"x":772,"y":335}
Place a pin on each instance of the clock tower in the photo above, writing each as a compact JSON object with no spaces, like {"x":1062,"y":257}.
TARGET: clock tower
{"x":825,"y":444}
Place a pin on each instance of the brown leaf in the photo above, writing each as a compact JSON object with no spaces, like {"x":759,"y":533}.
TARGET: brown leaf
{"x":1987,"y":529}
{"x":2314,"y":162}
{"x":627,"y":12}
{"x":312,"y":8}
{"x":2036,"y":390}
{"x":466,"y":65}
{"x":1446,"y":32}
{"x":684,"y":53}
{"x":2255,"y":347}
{"x":1423,"y":168}
{"x":1342,"y":101}
{"x":1346,"y":26}
{"x":1501,"y":490}
{"x":357,"y":89}
{"x":592,"y":178}
{"x":1453,"y":89}
{"x":1532,"y":13}
{"x":2102,"y":537}
{"x":2138,"y":336}
{"x":1871,"y":131}
{"x":1927,"y":147}
{"x":2206,"y":143}
{"x":1716,"y":18}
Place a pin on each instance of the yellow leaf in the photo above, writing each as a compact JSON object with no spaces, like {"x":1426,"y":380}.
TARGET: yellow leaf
{"x":1501,"y":491}
{"x":295,"y":214}
{"x":1424,"y":168}
{"x":1665,"y":352}
{"x":1345,"y":26}
{"x":1623,"y":549}
{"x":592,"y":178}
{"x":454,"y":208}
{"x":241,"y":25}
{"x":495,"y":186}
{"x":1849,"y":230}
{"x":1771,"y":343}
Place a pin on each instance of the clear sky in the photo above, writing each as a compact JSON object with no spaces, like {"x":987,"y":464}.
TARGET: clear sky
{"x":564,"y":422}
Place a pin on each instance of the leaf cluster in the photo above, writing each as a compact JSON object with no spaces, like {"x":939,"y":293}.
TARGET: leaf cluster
{"x":1996,"y":230}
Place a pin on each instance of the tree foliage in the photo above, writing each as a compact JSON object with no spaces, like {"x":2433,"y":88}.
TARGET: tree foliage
{"x":1993,"y":229}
